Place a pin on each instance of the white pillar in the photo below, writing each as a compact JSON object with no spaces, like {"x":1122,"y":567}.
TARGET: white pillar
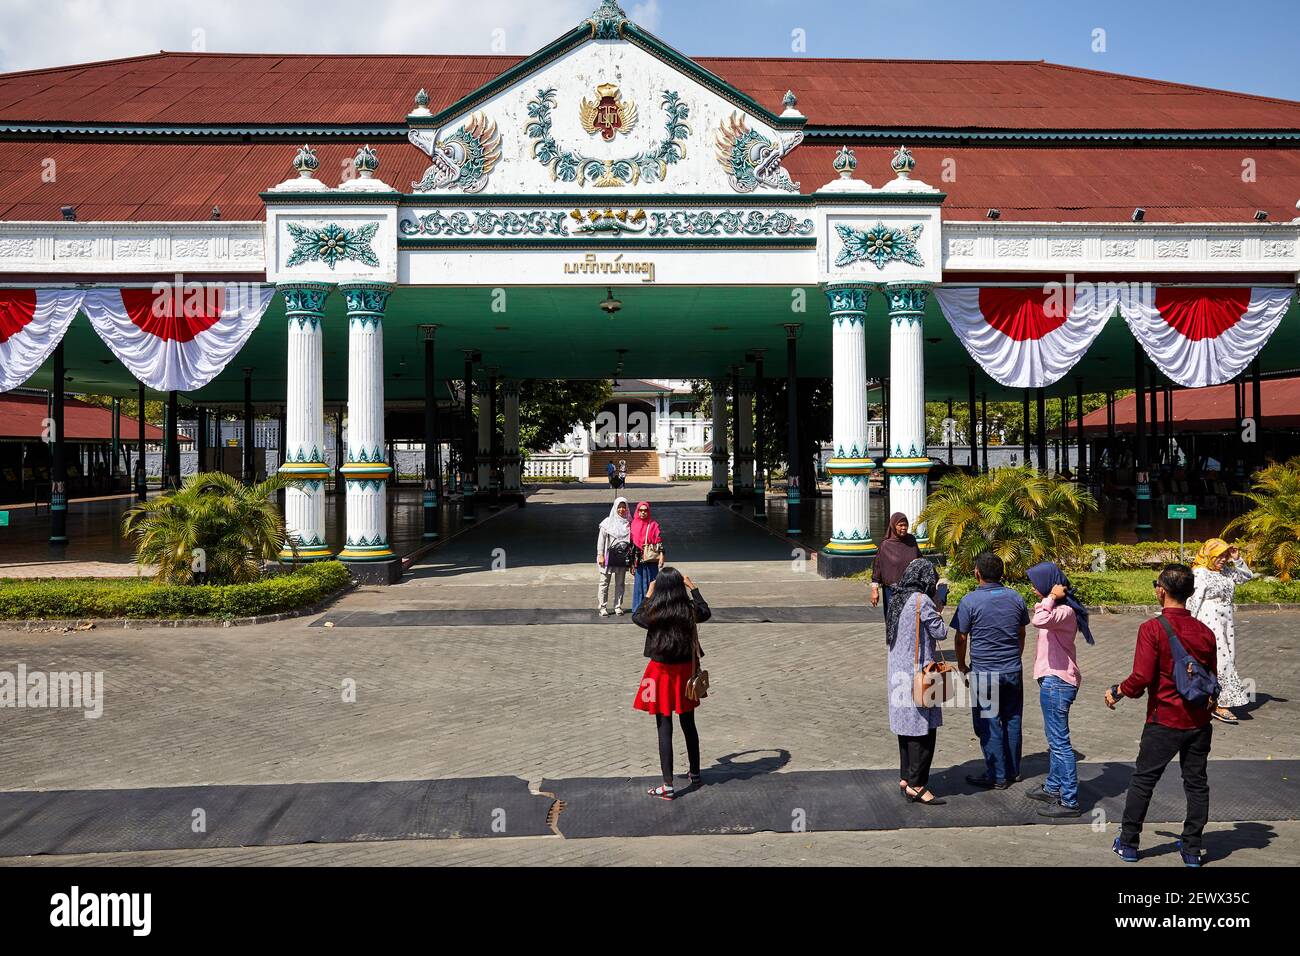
{"x":850,"y":467}
{"x":907,"y":463}
{"x":512,"y":462}
{"x":719,"y":456}
{"x":484,"y":436}
{"x":304,"y":420}
{"x":366,"y":471}
{"x":745,"y":436}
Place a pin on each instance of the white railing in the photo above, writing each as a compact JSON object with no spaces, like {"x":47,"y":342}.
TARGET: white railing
{"x":688,"y":465}
{"x":553,"y":465}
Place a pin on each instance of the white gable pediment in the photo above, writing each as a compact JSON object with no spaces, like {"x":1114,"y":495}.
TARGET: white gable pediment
{"x":606,"y":116}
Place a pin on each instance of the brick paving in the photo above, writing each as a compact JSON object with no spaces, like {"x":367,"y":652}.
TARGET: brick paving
{"x":265,"y":703}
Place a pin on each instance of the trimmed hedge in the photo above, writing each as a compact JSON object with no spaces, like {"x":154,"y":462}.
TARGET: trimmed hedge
{"x":75,"y":598}
{"x":1129,"y":557}
{"x":1134,"y":587}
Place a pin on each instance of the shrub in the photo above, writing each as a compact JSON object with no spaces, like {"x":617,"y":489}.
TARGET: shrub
{"x":1270,"y":531}
{"x":45,"y":599}
{"x":236,"y":526}
{"x":1020,"y":515}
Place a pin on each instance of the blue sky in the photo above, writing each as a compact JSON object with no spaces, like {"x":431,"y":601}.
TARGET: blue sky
{"x":1251,"y":47}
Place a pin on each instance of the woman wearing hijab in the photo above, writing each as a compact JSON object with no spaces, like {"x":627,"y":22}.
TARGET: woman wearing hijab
{"x":649,"y":544}
{"x":1218,"y":569}
{"x":613,"y":555}
{"x":671,"y":615}
{"x":913,"y":616}
{"x":896,"y":552}
{"x":1058,"y":615}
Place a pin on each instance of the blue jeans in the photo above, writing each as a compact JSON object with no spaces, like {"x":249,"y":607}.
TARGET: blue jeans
{"x":1056,"y":696}
{"x":998,"y":701}
{"x":646,"y":572}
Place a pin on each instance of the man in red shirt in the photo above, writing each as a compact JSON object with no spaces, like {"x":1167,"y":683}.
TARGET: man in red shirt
{"x":1173,"y":726}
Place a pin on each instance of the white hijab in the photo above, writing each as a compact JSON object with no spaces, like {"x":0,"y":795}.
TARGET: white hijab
{"x":617,"y":527}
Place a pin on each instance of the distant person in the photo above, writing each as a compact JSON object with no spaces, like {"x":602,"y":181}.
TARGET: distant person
{"x":1058,"y":615}
{"x":613,"y":555}
{"x":896,"y":552}
{"x":622,"y":473}
{"x":648,"y":542}
{"x":672,"y":611}
{"x":912,"y":626}
{"x":991,"y":620}
{"x":1175,"y":725}
{"x":611,"y":471}
{"x":1217,"y":570}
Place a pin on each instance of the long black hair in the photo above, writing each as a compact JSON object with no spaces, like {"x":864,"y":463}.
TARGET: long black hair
{"x":670,"y":616}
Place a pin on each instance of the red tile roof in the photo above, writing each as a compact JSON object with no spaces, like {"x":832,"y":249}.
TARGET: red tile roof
{"x":23,"y":417}
{"x":1209,"y":409}
{"x":218,"y":88}
{"x":183,"y":181}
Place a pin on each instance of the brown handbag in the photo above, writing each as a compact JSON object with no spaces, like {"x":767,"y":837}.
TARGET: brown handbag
{"x":932,"y":684}
{"x":697,"y":687}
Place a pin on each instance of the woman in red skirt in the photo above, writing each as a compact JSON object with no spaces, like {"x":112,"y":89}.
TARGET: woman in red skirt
{"x":670,"y":612}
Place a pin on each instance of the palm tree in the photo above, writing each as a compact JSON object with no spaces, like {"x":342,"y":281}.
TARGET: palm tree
{"x":1271,"y":529}
{"x":1020,"y":515}
{"x":237,"y":526}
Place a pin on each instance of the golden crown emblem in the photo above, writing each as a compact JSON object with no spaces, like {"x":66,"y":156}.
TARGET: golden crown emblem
{"x":608,"y":115}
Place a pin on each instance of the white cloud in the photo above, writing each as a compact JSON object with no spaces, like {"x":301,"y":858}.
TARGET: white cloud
{"x":42,"y":33}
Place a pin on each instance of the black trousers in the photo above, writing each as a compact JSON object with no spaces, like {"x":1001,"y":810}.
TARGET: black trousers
{"x":915,"y":754}
{"x":664,"y":724}
{"x":1160,"y":744}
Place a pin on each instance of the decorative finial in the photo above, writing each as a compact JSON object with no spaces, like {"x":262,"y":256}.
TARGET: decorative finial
{"x":607,"y":21}
{"x":903,"y":163}
{"x":845,"y":163}
{"x":306,"y":161}
{"x":366,"y":162}
{"x":422,"y":99}
{"x":789,"y":101}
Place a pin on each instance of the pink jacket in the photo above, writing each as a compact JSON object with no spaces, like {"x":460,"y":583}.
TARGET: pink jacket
{"x":1056,"y":631}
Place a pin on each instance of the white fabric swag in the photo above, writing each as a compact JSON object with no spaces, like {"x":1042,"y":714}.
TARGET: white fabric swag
{"x":32,"y":324}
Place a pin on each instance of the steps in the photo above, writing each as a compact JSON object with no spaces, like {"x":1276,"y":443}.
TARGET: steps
{"x":641,"y":462}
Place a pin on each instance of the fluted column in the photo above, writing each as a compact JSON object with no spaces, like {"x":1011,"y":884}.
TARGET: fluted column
{"x":511,"y":462}
{"x":907,"y":463}
{"x":849,"y":467}
{"x":366,"y":471}
{"x":719,"y":455}
{"x":744,"y":436}
{"x":304,"y":423}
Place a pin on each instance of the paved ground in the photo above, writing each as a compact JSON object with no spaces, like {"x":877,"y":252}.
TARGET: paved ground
{"x":265,"y":704}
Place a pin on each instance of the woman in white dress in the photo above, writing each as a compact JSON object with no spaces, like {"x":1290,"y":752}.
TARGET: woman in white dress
{"x":1218,"y":569}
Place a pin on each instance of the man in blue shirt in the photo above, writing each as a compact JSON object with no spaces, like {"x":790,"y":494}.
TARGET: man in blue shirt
{"x":991,"y":620}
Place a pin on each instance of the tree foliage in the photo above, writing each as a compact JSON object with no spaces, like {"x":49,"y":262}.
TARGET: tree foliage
{"x":1270,"y":531}
{"x":549,"y":408}
{"x":1019,"y":514}
{"x":236,"y":526}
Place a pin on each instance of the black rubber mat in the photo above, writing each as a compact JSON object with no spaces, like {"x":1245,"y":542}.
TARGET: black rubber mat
{"x":484,"y":617}
{"x":164,"y":818}
{"x":732,"y":801}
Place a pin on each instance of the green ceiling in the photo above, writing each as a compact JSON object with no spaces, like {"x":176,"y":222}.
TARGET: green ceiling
{"x":668,"y":332}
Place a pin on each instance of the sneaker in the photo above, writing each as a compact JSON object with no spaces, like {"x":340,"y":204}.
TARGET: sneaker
{"x":1192,"y":858}
{"x":984,"y":783}
{"x":603,"y":613}
{"x":1059,"y":809}
{"x":1128,"y":854}
{"x":618,"y":610}
{"x":1043,"y":795}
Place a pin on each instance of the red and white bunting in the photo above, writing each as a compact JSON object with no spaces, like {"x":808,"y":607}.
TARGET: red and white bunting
{"x":177,"y":339}
{"x":32,"y":324}
{"x":1027,"y":338}
{"x":1203,"y":336}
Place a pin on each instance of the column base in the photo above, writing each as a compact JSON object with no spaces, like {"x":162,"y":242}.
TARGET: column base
{"x":306,"y":555}
{"x":719,"y":494}
{"x":384,"y":572}
{"x":831,"y":564}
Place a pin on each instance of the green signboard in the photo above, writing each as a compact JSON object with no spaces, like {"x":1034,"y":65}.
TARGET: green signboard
{"x":1182,"y":511}
{"x":4,"y":519}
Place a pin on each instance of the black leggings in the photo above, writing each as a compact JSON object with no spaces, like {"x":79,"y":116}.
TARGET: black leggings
{"x":914,"y":757}
{"x":664,"y":724}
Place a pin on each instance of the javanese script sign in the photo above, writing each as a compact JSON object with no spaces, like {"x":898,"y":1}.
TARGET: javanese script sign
{"x":592,"y":265}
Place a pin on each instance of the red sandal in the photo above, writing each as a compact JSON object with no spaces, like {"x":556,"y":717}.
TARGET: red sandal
{"x":661,"y":793}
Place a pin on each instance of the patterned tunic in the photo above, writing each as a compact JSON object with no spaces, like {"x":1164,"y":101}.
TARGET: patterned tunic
{"x":905,"y":718}
{"x":1211,"y":604}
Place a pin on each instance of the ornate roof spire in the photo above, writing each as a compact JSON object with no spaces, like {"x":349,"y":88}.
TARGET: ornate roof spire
{"x":789,"y":101}
{"x":607,"y":21}
{"x":306,"y":161}
{"x":903,"y":163}
{"x":845,"y":163}
{"x":366,"y":162}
